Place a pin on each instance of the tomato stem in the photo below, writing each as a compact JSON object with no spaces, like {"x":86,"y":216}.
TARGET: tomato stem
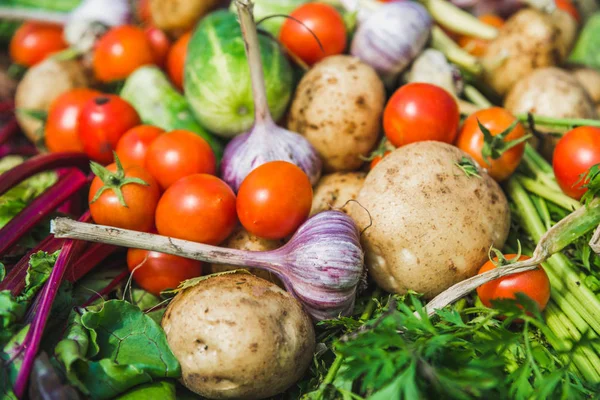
{"x":496,"y":145}
{"x":114,"y":180}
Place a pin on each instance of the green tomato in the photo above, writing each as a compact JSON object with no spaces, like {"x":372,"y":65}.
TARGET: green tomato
{"x":217,"y":81}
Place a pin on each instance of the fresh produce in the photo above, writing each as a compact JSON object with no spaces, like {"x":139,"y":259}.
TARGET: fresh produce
{"x":40,"y":86}
{"x":179,"y":16}
{"x":133,"y":145}
{"x":199,"y":207}
{"x":176,"y":59}
{"x":392,"y":37}
{"x":217,"y":80}
{"x":266,"y":141}
{"x":156,"y":272}
{"x":121,"y":51}
{"x":500,"y":149}
{"x":274,"y":200}
{"x":431,"y":66}
{"x":61,"y":131}
{"x":337,"y":107}
{"x":33,"y":42}
{"x":159,"y":104}
{"x":401,"y":193}
{"x":477,"y":46}
{"x":334,"y":191}
{"x":248,"y":338}
{"x":177,"y":154}
{"x":102,"y":122}
{"x":590,"y":80}
{"x":159,"y":44}
{"x":125,"y":198}
{"x":420,"y":111}
{"x":584,"y":51}
{"x":314,"y":31}
{"x":267,"y":10}
{"x":576,"y":152}
{"x":534,"y":284}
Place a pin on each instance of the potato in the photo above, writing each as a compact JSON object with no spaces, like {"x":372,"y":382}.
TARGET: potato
{"x":41,"y":85}
{"x":338,"y":107}
{"x":590,"y":80}
{"x":530,"y":39}
{"x":432,"y":225}
{"x":551,"y":92}
{"x":239,"y":337}
{"x":178,"y":16}
{"x":243,"y":240}
{"x":334,"y":191}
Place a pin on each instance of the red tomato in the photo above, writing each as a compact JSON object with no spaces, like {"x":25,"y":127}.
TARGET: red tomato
{"x":574,"y":155}
{"x":377,"y":159}
{"x":155,"y":271}
{"x":325,"y":23}
{"x":103,"y":120}
{"x":274,"y":200}
{"x":535,"y":284}
{"x":140,"y":200}
{"x":159,"y":44}
{"x":496,"y":120}
{"x":177,"y":154}
{"x":569,"y":7}
{"x":121,"y":50}
{"x":133,"y":145}
{"x":418,"y":112}
{"x":477,"y":46}
{"x":34,"y":41}
{"x":199,"y":207}
{"x":176,"y":59}
{"x":61,"y":130}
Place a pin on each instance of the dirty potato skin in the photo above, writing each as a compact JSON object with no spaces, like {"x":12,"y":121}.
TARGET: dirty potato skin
{"x":338,"y":107}
{"x":178,"y":16}
{"x":41,"y":85}
{"x":590,"y":80}
{"x":335,"y":190}
{"x":241,"y":239}
{"x":239,"y":337}
{"x":432,"y":226}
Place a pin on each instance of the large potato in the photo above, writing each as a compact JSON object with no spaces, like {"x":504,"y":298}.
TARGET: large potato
{"x":530,"y":39}
{"x":238,"y":337}
{"x":41,"y":85}
{"x":335,"y":190}
{"x":241,"y":239}
{"x":590,"y":80}
{"x":338,"y":107}
{"x":177,"y":16}
{"x":432,"y":225}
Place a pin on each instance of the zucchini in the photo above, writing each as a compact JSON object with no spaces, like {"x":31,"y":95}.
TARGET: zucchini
{"x":158,"y":103}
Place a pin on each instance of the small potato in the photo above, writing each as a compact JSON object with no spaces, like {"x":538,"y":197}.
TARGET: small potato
{"x":41,"y":85}
{"x":177,"y":16}
{"x":338,"y":107}
{"x":241,"y":239}
{"x":432,"y":225}
{"x":334,"y":190}
{"x":239,"y":337}
{"x":590,"y":80}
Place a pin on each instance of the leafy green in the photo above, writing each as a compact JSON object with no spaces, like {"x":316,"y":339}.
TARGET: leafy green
{"x":468,"y":167}
{"x":11,"y":363}
{"x":2,"y":272}
{"x":585,"y":50}
{"x":163,"y":390}
{"x":94,"y":282}
{"x":110,"y":350}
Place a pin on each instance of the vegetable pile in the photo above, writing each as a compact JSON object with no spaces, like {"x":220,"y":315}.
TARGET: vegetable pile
{"x":293,"y":199}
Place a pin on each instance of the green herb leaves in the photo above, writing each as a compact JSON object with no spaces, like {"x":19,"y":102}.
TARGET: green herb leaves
{"x":468,"y":167}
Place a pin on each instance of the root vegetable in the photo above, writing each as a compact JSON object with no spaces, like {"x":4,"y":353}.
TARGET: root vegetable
{"x":238,"y":337}
{"x":40,"y":86}
{"x":338,"y":107}
{"x":335,"y":190}
{"x":590,"y":80}
{"x":432,"y":225}
{"x":177,"y":16}
{"x":530,"y":39}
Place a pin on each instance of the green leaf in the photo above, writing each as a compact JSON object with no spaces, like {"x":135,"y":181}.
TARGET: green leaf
{"x":163,"y":390}
{"x":11,"y":312}
{"x":72,"y":349}
{"x":2,"y":272}
{"x":95,"y":282}
{"x":11,"y":364}
{"x":468,"y":167}
{"x":40,"y":266}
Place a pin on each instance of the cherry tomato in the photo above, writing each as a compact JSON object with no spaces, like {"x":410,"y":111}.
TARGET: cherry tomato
{"x":418,"y":112}
{"x":103,"y":120}
{"x":34,"y":41}
{"x":199,"y":207}
{"x":121,"y":51}
{"x":325,"y":23}
{"x":377,"y":159}
{"x":133,"y":145}
{"x":274,"y":200}
{"x":535,"y":284}
{"x":61,"y":130}
{"x":496,"y":120}
{"x":140,"y":200}
{"x":569,"y":7}
{"x":477,"y":46}
{"x":575,"y":153}
{"x":155,"y":271}
{"x":177,"y":154}
{"x":176,"y":59}
{"x":159,"y":43}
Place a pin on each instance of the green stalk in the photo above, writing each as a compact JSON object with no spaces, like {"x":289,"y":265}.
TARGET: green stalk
{"x":542,"y":190}
{"x":476,"y":97}
{"x":32,"y":14}
{"x":540,"y":168}
{"x":542,"y":208}
{"x":559,"y":122}
{"x":459,"y":21}
{"x":442,"y":42}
